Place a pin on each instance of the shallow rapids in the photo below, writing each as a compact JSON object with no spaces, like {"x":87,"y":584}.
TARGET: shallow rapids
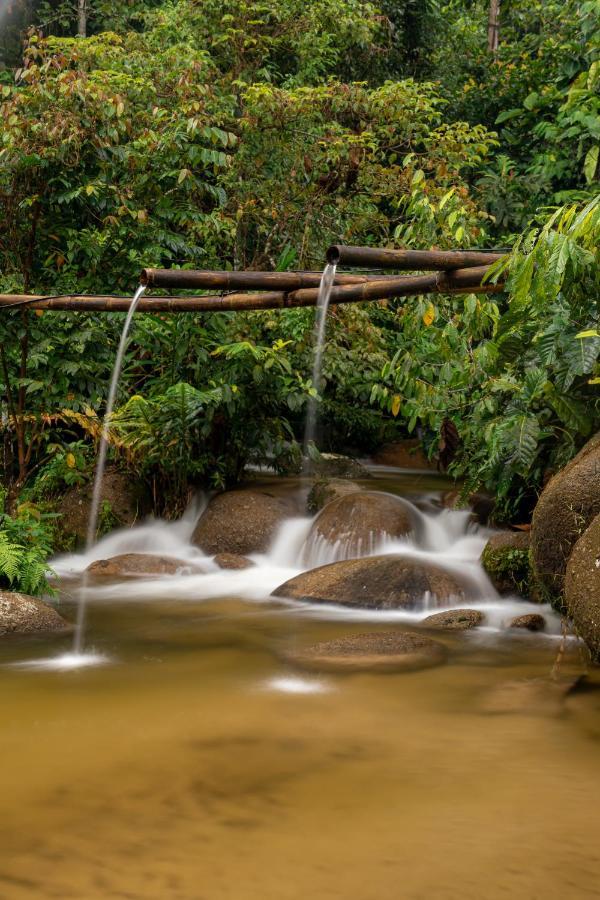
{"x":448,"y":538}
{"x":188,"y":759}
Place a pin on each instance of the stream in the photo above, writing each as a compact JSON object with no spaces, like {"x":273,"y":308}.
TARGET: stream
{"x":195,"y":763}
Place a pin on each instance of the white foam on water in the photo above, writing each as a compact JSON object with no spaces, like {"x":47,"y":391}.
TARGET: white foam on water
{"x":448,"y":539}
{"x":66,"y":662}
{"x":293,"y":684}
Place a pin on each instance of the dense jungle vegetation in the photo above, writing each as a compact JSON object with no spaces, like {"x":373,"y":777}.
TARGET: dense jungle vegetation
{"x":252,"y":134}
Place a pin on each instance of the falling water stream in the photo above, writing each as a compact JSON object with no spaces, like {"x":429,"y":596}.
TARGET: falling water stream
{"x":78,"y":638}
{"x":325,"y":287}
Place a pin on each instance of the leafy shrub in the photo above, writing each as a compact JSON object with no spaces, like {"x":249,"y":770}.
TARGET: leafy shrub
{"x":25,"y":545}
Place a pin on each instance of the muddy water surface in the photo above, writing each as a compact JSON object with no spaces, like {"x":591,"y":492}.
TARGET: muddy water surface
{"x":197,"y":765}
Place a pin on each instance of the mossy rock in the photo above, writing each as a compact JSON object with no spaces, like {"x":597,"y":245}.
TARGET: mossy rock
{"x":324,"y":490}
{"x":506,"y":560}
{"x":567,"y":506}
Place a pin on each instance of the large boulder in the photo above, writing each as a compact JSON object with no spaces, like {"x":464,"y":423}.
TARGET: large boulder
{"x":22,"y":614}
{"x":567,"y":505}
{"x":121,"y":506}
{"x":358,"y":521}
{"x":505,"y":558}
{"x":387,"y":651}
{"x":141,"y":565}
{"x":375,"y":582}
{"x":241,"y":522}
{"x":582,"y":587}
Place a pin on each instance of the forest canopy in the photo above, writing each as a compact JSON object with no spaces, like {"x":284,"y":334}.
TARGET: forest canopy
{"x":240,"y":134}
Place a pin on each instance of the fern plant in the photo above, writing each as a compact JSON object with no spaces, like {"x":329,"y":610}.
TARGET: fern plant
{"x":25,"y":545}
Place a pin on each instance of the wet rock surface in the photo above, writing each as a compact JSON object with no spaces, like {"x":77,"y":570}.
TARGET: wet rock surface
{"x":530,"y":622}
{"x":375,"y":582}
{"x":22,"y":614}
{"x":232,"y":561}
{"x":139,"y":565}
{"x":480,"y":504}
{"x":505,"y":558}
{"x":241,"y":522}
{"x":325,"y":490}
{"x":334,"y":465}
{"x":567,"y":506}
{"x":359,"y":520}
{"x":582,"y":587}
{"x":390,"y":651}
{"x":455,"y":620}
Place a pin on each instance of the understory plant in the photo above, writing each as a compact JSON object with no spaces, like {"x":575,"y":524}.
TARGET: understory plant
{"x":25,"y":545}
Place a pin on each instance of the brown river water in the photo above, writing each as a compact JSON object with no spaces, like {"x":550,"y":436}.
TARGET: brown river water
{"x":198,"y":765}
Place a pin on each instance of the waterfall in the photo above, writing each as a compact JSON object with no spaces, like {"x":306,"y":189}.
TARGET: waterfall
{"x":325,"y":287}
{"x":101,"y":464}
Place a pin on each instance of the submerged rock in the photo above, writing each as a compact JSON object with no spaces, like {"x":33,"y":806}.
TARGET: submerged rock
{"x":532,"y":696}
{"x":22,"y":614}
{"x":388,"y":651}
{"x":454,"y":619}
{"x":139,"y":565}
{"x":232,"y":561}
{"x":530,"y":621}
{"x":567,"y":505}
{"x":374,"y":582}
{"x":241,"y":522}
{"x":582,"y":587}
{"x":360,"y":520}
{"x":505,"y":558}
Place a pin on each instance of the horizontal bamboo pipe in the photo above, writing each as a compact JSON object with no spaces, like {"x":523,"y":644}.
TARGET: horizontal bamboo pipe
{"x":436,"y":260}
{"x":201,"y":279}
{"x":462,"y":281}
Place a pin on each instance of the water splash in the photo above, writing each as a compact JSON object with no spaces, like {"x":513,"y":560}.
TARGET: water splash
{"x":325,"y":288}
{"x":101,"y":464}
{"x":66,"y":662}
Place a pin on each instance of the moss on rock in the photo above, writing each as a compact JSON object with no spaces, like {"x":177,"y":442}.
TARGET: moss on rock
{"x":506,"y":560}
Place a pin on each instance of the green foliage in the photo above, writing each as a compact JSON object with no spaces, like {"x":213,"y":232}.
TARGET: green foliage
{"x":518,"y":380}
{"x":189,"y":436}
{"x":25,"y":545}
{"x":252,"y":134}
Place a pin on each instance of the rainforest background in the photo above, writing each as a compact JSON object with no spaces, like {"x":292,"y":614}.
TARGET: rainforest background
{"x":237,"y":134}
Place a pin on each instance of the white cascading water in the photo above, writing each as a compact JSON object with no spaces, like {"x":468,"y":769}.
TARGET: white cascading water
{"x":101,"y":465}
{"x":446,"y":538}
{"x":325,"y":287}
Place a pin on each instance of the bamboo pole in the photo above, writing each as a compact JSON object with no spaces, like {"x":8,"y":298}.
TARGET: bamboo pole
{"x":193,"y":279}
{"x":460,"y":281}
{"x":427,"y":260}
